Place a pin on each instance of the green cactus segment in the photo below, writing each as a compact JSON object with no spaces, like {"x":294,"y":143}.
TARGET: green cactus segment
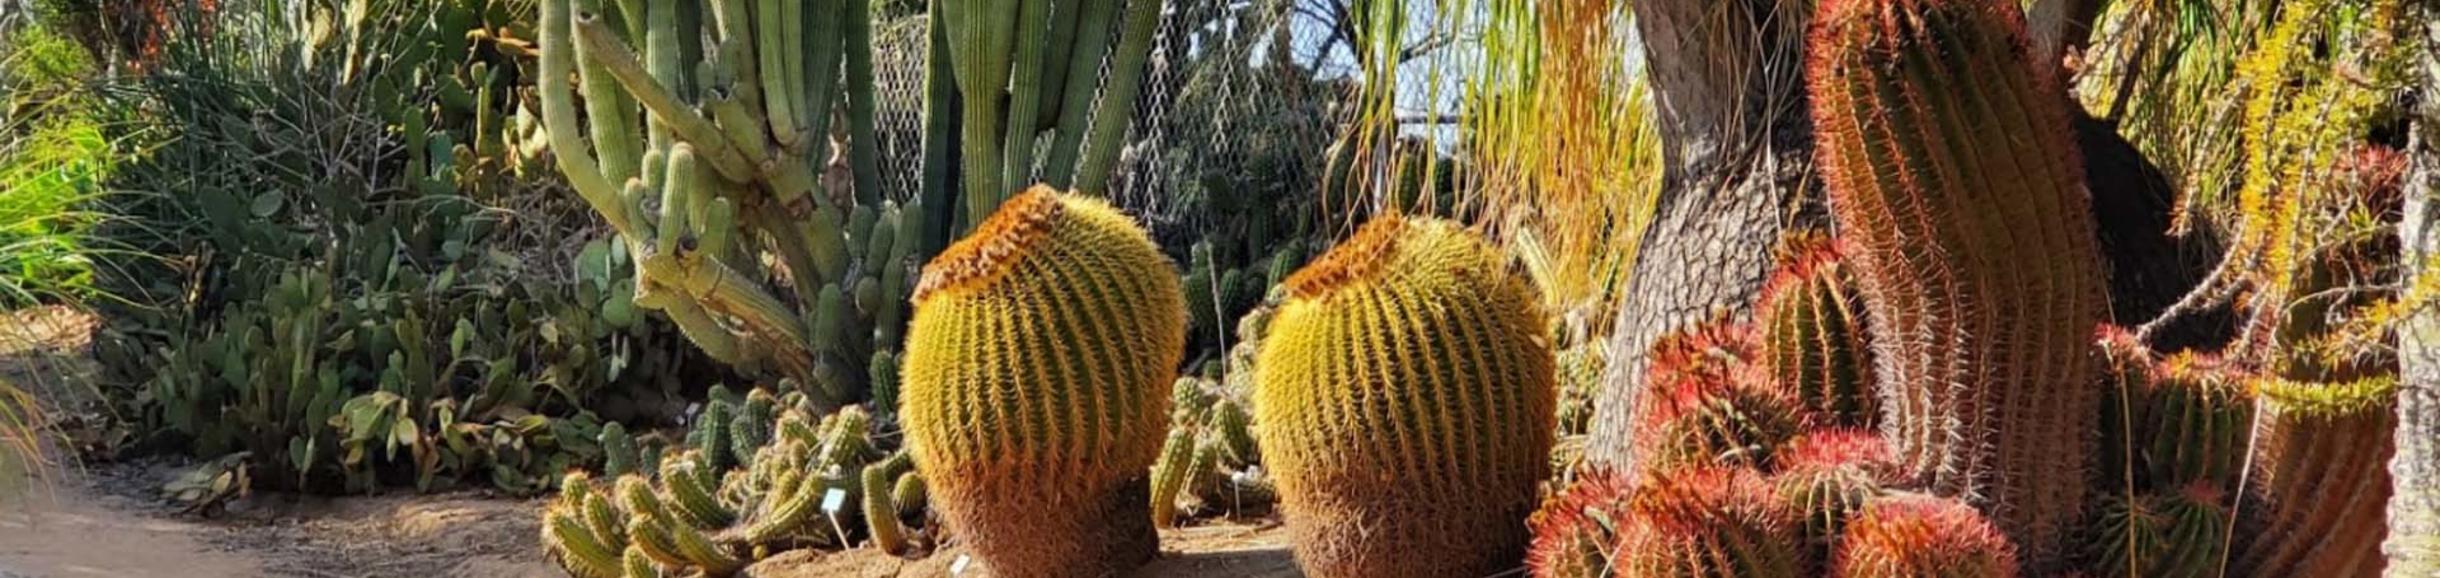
{"x":692,"y":494}
{"x":1959,"y":198}
{"x":1034,"y":385}
{"x":881,"y":510}
{"x":2195,"y":421}
{"x":1811,"y":325}
{"x":637,"y":564}
{"x":575,"y":547}
{"x":1406,"y":398}
{"x":1829,"y":475}
{"x":2320,"y":479}
{"x":908,"y":493}
{"x":710,"y":435}
{"x":1922,"y":537}
{"x":2180,"y":534}
{"x":1170,"y":475}
{"x":1025,"y":66}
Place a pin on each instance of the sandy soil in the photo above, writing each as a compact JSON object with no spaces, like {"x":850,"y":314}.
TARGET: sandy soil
{"x":103,"y":521}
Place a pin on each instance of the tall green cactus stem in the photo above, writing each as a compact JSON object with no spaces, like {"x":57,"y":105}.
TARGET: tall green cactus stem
{"x":1011,"y":80}
{"x":729,"y":146}
{"x":1035,"y":385}
{"x":878,"y":483}
{"x":2319,"y":484}
{"x":1406,"y":397}
{"x":1811,"y":326}
{"x":1955,"y":184}
{"x":1170,"y":475}
{"x":1575,"y":532}
{"x":1922,"y":537}
{"x":1702,"y":522}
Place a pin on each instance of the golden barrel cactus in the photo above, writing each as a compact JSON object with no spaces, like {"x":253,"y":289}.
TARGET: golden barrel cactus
{"x":1036,"y":385}
{"x":1406,"y":397}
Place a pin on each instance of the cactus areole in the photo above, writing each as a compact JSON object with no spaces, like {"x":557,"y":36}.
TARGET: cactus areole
{"x":1952,"y":177}
{"x":1036,"y":385}
{"x":1406,"y":398}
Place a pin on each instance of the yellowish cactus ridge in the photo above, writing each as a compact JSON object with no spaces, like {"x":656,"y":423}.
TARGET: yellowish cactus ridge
{"x":1407,"y":393}
{"x":1036,"y":385}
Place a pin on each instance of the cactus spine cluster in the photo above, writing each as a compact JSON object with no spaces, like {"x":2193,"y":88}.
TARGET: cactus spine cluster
{"x":723,"y":168}
{"x":1953,"y":180}
{"x":1698,"y":522}
{"x":2320,"y":479}
{"x":691,"y":515}
{"x":1034,"y":385}
{"x":1922,"y":537}
{"x":1811,"y":324}
{"x":1406,"y":398}
{"x":1575,"y":533}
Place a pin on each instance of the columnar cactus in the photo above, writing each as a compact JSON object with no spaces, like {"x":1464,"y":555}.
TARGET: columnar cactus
{"x":1405,"y":401}
{"x":1811,"y":326}
{"x":1034,"y":385}
{"x":724,"y":165}
{"x":1922,"y":537}
{"x":1957,"y":189}
{"x":2319,"y":482}
{"x":1702,"y":522}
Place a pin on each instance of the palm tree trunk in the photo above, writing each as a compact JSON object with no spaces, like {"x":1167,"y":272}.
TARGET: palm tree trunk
{"x":2413,"y":545}
{"x":1737,"y":151}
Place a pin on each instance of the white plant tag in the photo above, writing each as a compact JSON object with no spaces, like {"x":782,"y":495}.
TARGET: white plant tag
{"x":833,"y":500}
{"x":959,"y":567}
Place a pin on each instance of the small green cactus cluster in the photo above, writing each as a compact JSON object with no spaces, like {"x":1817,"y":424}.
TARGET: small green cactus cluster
{"x":753,"y":477}
{"x":1811,"y":321}
{"x":1210,"y":463}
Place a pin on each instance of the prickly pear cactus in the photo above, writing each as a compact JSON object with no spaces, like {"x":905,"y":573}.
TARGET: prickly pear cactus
{"x":1810,"y":323}
{"x":1405,"y":400}
{"x":1954,"y":182}
{"x":1035,"y":385}
{"x":1922,"y":537}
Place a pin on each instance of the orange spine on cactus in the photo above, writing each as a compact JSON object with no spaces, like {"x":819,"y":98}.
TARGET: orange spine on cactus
{"x":1035,"y":385}
{"x":1406,"y":398}
{"x":1702,"y":522}
{"x":2194,"y":422}
{"x":1827,"y":475}
{"x":1958,"y":193}
{"x":1709,"y":403}
{"x":1922,"y":537}
{"x":1811,"y":326}
{"x":1574,"y":531}
{"x":2320,"y":479}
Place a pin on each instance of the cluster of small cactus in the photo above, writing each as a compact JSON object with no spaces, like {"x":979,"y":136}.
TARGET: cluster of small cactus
{"x":754,"y":476}
{"x":1034,"y":400}
{"x":732,"y":161}
{"x":1406,"y":404}
{"x":1210,"y":463}
{"x":1958,"y":196}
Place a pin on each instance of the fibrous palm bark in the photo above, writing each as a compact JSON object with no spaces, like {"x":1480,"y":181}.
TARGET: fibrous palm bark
{"x":1737,"y":151}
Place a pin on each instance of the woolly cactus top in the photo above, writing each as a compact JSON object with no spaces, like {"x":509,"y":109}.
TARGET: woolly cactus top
{"x":995,"y":245}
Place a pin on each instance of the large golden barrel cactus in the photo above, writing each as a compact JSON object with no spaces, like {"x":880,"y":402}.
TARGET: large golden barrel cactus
{"x":1406,"y":401}
{"x":1036,"y":385}
{"x":1957,"y":188}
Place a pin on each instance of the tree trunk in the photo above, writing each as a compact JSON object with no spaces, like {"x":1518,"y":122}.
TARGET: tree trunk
{"x":2413,"y":545}
{"x":1737,"y":150}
